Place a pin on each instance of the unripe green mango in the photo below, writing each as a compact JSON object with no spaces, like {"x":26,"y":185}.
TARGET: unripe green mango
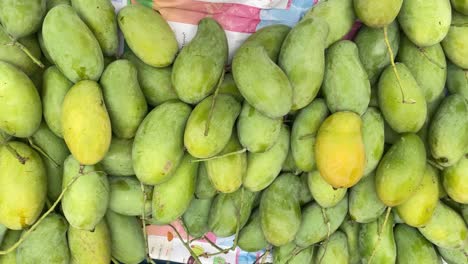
{"x":200,"y":64}
{"x":158,"y":146}
{"x":412,"y":247}
{"x":346,"y":85}
{"x":303,"y":191}
{"x":322,"y":192}
{"x":455,"y":43}
{"x":457,"y":80}
{"x":373,"y":136}
{"x":335,"y":250}
{"x":364,"y":204}
{"x":304,"y":256}
{"x":228,"y":86}
{"x":282,"y":254}
{"x":302,"y":58}
{"x":71,"y":45}
{"x":81,"y":241}
{"x":427,"y":22}
{"x":257,"y":132}
{"x":204,"y":188}
{"x":251,"y":238}
{"x":15,"y":56}
{"x":289,"y":165}
{"x":3,"y":231}
{"x":460,"y":6}
{"x":403,"y":113}
{"x":11,"y":237}
{"x":196,"y":217}
{"x":455,"y":180}
{"x":401,"y":170}
{"x":270,"y":38}
{"x":53,"y":3}
{"x":118,"y":160}
{"x":127,"y":242}
{"x":453,"y":256}
{"x":148,"y":35}
{"x":47,"y":243}
{"x":202,"y":142}
{"x":21,"y":18}
{"x":377,"y":14}
{"x":85,"y":122}
{"x":376,"y":241}
{"x":127,"y":198}
{"x":351,"y":230}
{"x":23,"y":185}
{"x":263,"y":168}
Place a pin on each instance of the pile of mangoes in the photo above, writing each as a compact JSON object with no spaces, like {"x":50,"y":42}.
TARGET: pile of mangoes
{"x":326,"y":150}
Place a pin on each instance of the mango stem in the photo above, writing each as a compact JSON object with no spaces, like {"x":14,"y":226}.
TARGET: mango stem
{"x":40,"y":150}
{"x":221,"y":156}
{"x":306,"y":136}
{"x":186,"y":244}
{"x":379,"y":235}
{"x":143,"y":223}
{"x":213,"y":102}
{"x":424,"y":53}
{"x":15,"y":153}
{"x":327,"y":221}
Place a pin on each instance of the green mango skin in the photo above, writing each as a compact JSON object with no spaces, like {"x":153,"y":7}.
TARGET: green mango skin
{"x":118,"y":160}
{"x":23,"y":186}
{"x":3,"y":231}
{"x":302,"y":58}
{"x":15,"y":56}
{"x":386,"y":251}
{"x":322,"y":192}
{"x":364,"y":204}
{"x":227,"y":208}
{"x":346,"y":85}
{"x":127,"y":241}
{"x":145,"y":32}
{"x":412,"y":247}
{"x":52,"y":229}
{"x":200,"y":64}
{"x":401,"y":170}
{"x":418,"y":209}
{"x":453,"y":256}
{"x":251,"y":238}
{"x":81,"y":241}
{"x":11,"y":237}
{"x":335,"y":250}
{"x":446,"y":228}
{"x":99,"y":16}
{"x":351,"y":229}
{"x":126,"y":196}
{"x":289,"y":164}
{"x":21,"y":18}
{"x":56,"y":151}
{"x":425,"y":23}
{"x":263,"y":168}
{"x":20,"y":104}
{"x":339,"y":14}
{"x":196,"y":217}
{"x":155,"y":83}
{"x":304,"y":193}
{"x":123,"y":97}
{"x":460,"y":6}
{"x":204,"y":188}
{"x":53,"y":3}
{"x":84,"y":212}
{"x":373,"y":136}
{"x":304,"y":256}
{"x":401,"y":116}
{"x":72,"y":45}
{"x":377,"y":14}
{"x":454,"y":44}
{"x":271,"y":38}
{"x":257,"y":132}
{"x":158,"y":147}
{"x":448,"y":131}
{"x":282,"y":254}
{"x":172,"y":198}
{"x":228,"y":86}
{"x":457,"y":80}
{"x":224,"y":114}
{"x":304,"y":130}
{"x":455,"y":180}
{"x":427,"y":65}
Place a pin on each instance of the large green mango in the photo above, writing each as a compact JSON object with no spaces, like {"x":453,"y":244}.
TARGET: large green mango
{"x":251,"y":238}
{"x":127,"y":198}
{"x":377,"y":14}
{"x":351,"y":230}
{"x":457,"y":80}
{"x":98,"y":240}
{"x":364,"y":204}
{"x":196,"y":217}
{"x":455,"y":180}
{"x":11,"y":237}
{"x":118,"y":160}
{"x":376,"y":241}
{"x":322,"y":192}
{"x":455,"y":43}
{"x":204,"y":188}
{"x":335,"y":250}
{"x":22,"y":17}
{"x":412,"y":247}
{"x":373,"y":136}
{"x":14,"y":55}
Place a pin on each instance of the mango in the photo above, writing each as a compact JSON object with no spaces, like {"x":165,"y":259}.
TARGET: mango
{"x":81,"y":241}
{"x":460,"y":6}
{"x":339,"y":149}
{"x":412,"y":247}
{"x":377,"y":14}
{"x":335,"y":250}
{"x":455,"y":43}
{"x":453,"y":256}
{"x":11,"y":237}
{"x":145,"y":32}
{"x":53,"y":3}
{"x":373,"y":131}
{"x":118,"y":160}
{"x":23,"y":185}
{"x":196,"y":216}
{"x":305,"y":255}
{"x":228,"y":86}
{"x":376,"y":241}
{"x":351,"y":229}
{"x":204,"y":188}
{"x":271,"y":38}
{"x":304,"y":193}
{"x":289,"y":165}
{"x":285,"y":253}
{"x":251,"y":238}
{"x":202,"y":142}
{"x":457,"y":80}
{"x":158,"y":147}
{"x":127,"y":198}
{"x":322,"y":192}
{"x":15,"y":56}
{"x":22,"y":17}
{"x":3,"y":231}
{"x":364,"y":204}
{"x":455,"y":180}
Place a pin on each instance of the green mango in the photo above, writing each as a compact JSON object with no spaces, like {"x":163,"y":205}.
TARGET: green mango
{"x":453,"y":256}
{"x":391,"y":136}
{"x":257,"y":132}
{"x":448,"y":131}
{"x":53,"y":3}
{"x":302,"y":58}
{"x":118,"y":160}
{"x":305,"y":255}
{"x":228,"y":86}
{"x":304,"y":130}
{"x":23,"y":185}
{"x":401,"y":170}
{"x":200,"y":64}
{"x":21,"y":18}
{"x":303,"y":191}
{"x":464,"y":209}
{"x":72,"y":45}
{"x":377,"y":14}
{"x":460,"y":6}
{"x":446,"y":228}
{"x":376,"y":241}
{"x":282,"y":254}
{"x":334,"y":250}
{"x":289,"y":164}
{"x":455,"y":180}
{"x":148,"y":35}
{"x":158,"y":147}
{"x":196,"y":217}
{"x":155,"y":83}
{"x":251,"y":238}
{"x":346,"y":85}
{"x":427,"y":65}
{"x":454,"y":43}
{"x":318,"y":223}
{"x":457,"y":80}
{"x":40,"y":40}
{"x":99,"y":16}
{"x":351,"y":229}
{"x":3,"y":231}
{"x":127,"y":198}
{"x":263,"y":168}
{"x":172,"y":198}
{"x":204,"y":188}
{"x":15,"y":56}
{"x":412,"y":247}
{"x":47,"y":243}
{"x":418,"y":209}
{"x":373,"y":136}
{"x":11,"y":237}
{"x":98,"y":240}
{"x":127,"y":241}
{"x":339,"y":14}
{"x":364,"y":204}
{"x":201,"y":142}
{"x":374,"y":101}
{"x":403,"y":114}
{"x":322,"y":192}
{"x":425,"y":23}
{"x":123,"y":97}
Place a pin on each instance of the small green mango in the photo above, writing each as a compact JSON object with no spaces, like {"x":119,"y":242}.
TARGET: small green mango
{"x":351,"y":229}
{"x":376,"y":241}
{"x":453,"y":256}
{"x":364,"y":204}
{"x":412,"y":247}
{"x":251,"y":238}
{"x":455,"y":43}
{"x":118,"y":160}
{"x":11,"y":237}
{"x":15,"y":56}
{"x":196,"y":217}
{"x":457,"y":80}
{"x":81,"y":241}
{"x":377,"y":14}
{"x":455,"y":180}
{"x":228,"y":86}
{"x":21,"y":18}
{"x":126,"y":196}
{"x":204,"y":188}
{"x":322,"y":192}
{"x":373,"y":136}
{"x":335,"y":250}
{"x":460,"y":6}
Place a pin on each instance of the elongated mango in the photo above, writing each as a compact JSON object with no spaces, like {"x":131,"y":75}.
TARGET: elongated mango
{"x":271,"y":38}
{"x":196,"y":217}
{"x":322,"y":192}
{"x":127,"y":198}
{"x":412,"y":247}
{"x":80,"y":241}
{"x":377,"y":241}
{"x":457,"y":80}
{"x":364,"y":204}
{"x":455,"y":181}
{"x":251,"y":238}
{"x":373,"y":136}
{"x":377,"y":14}
{"x":22,"y":17}
{"x":118,"y":160}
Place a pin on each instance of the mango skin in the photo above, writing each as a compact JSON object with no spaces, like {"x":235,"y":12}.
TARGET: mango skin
{"x":15,"y":56}
{"x":3,"y":231}
{"x":158,"y":147}
{"x":377,"y":14}
{"x":23,"y":186}
{"x":204,"y":188}
{"x":455,"y":180}
{"x":146,"y":31}
{"x":373,"y":136}
{"x":271,"y":38}
{"x":351,"y":229}
{"x":364,"y":204}
{"x":126,"y":196}
{"x":335,"y":251}
{"x":455,"y":43}
{"x":228,"y":86}
{"x":53,"y":3}
{"x":80,"y":241}
{"x":251,"y":238}
{"x":304,"y":193}
{"x":453,"y":256}
{"x":11,"y":237}
{"x":322,"y":192}
{"x":339,"y":149}
{"x":85,"y":122}
{"x":118,"y":160}
{"x":460,"y":6}
{"x":200,"y":64}
{"x":22,"y":17}
{"x":412,"y":247}
{"x":196,"y":216}
{"x":369,"y":234}
{"x":304,"y":256}
{"x":20,"y":104}
{"x":71,"y":45}
{"x":457,"y":80}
